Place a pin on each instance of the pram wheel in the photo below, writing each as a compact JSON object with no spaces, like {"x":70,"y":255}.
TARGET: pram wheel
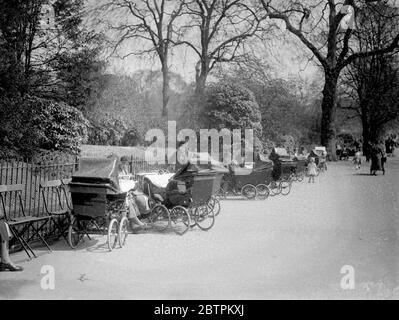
{"x":160,"y":217}
{"x":249,"y":191}
{"x":275,"y":188}
{"x":262,"y":191}
{"x":123,"y":231}
{"x":180,"y":220}
{"x":112,"y":234}
{"x":75,"y":232}
{"x":285,"y":187}
{"x":222,"y":192}
{"x":300,"y":176}
{"x":204,"y":217}
{"x":214,"y":205}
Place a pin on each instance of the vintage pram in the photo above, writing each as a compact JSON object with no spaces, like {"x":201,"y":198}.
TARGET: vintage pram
{"x":301,"y":167}
{"x":188,"y":199}
{"x":317,"y":154}
{"x":99,"y":205}
{"x":285,"y":168}
{"x":249,"y":182}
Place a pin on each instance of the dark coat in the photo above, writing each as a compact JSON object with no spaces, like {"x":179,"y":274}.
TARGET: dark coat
{"x":377,"y":158}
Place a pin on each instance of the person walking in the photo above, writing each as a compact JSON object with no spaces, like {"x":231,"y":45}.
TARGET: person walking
{"x":312,"y":170}
{"x":378,"y":159}
{"x":357,"y":160}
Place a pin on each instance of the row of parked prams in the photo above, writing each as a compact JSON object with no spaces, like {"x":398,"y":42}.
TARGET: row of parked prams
{"x":93,"y":203}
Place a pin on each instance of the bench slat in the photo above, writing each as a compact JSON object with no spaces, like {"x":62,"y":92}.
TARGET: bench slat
{"x":13,"y":187}
{"x":50,"y":184}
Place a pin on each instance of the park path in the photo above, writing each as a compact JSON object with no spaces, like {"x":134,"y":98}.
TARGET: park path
{"x":282,"y":248}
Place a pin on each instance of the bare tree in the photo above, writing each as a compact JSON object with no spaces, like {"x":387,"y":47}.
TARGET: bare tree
{"x":151,"y":23}
{"x":218,"y":30}
{"x":326,"y":27}
{"x":372,"y":83}
{"x":22,"y":34}
{"x":37,"y":38}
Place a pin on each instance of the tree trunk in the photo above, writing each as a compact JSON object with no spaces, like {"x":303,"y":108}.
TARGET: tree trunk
{"x":366,"y":130}
{"x":165,"y":90}
{"x":201,"y":74}
{"x":200,"y":85}
{"x":328,"y":106}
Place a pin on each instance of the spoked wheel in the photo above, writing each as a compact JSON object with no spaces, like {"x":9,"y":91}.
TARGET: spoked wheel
{"x":112,"y":237}
{"x":204,"y":217}
{"x":191,"y":213}
{"x":214,"y":205}
{"x":249,"y":191}
{"x":75,"y":232}
{"x":224,"y":190}
{"x":262,"y":191}
{"x":160,"y":217}
{"x":275,"y":188}
{"x":123,"y":231}
{"x":221,"y":194}
{"x":285,"y":187}
{"x":180,"y":220}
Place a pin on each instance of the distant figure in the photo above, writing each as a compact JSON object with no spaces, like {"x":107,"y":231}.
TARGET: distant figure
{"x":323,"y":161}
{"x":338,"y":150}
{"x":357,"y":160}
{"x":378,"y":159}
{"x":312,"y":170}
{"x":383,"y":157}
{"x":390,"y":146}
{"x":367,"y":150}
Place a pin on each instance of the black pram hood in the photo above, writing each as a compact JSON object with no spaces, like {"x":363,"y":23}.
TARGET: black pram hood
{"x":98,"y":170}
{"x":263,"y":163}
{"x":200,"y":164}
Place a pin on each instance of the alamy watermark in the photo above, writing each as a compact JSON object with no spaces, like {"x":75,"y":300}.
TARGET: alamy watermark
{"x":231,"y":146}
{"x":348,"y":280}
{"x":48,"y":280}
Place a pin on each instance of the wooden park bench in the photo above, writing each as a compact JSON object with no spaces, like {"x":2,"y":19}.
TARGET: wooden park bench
{"x":58,"y":209}
{"x":21,"y":225}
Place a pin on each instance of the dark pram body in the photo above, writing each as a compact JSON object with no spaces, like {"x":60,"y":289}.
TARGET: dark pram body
{"x":97,"y":199}
{"x":196,"y":182}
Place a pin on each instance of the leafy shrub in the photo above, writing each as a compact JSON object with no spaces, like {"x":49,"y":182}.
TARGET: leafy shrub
{"x":131,"y":138}
{"x":233,"y":107}
{"x":31,"y":124}
{"x":106,"y":130}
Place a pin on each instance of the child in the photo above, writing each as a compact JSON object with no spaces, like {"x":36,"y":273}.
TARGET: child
{"x":323,"y":161}
{"x":312,"y":170}
{"x":357,"y":160}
